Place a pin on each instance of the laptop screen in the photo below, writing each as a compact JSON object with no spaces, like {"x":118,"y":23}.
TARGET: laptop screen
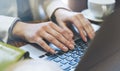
{"x":104,"y":52}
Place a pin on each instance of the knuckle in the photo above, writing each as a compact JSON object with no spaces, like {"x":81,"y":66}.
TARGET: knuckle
{"x":80,"y":14}
{"x":51,"y":39}
{"x":80,"y":26}
{"x":87,"y":21}
{"x":58,"y":36}
{"x":51,"y":23}
{"x":44,"y":27}
{"x":33,"y":37}
{"x":63,"y":31}
{"x":60,"y":46}
{"x":42,"y":44}
{"x":74,"y":17}
{"x":85,"y":24}
{"x":41,"y":29}
{"x":67,"y":42}
{"x":47,"y":48}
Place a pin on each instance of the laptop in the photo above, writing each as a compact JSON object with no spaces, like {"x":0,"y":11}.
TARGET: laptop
{"x":103,"y":53}
{"x":66,"y":60}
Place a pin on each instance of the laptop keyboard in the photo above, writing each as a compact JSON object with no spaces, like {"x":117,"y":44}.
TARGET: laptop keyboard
{"x":69,"y":60}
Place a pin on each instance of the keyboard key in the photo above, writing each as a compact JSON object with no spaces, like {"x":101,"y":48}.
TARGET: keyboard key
{"x":68,"y":69}
{"x":77,"y":60}
{"x":66,"y":66}
{"x":75,"y":56}
{"x":62,"y":56}
{"x":57,"y":59}
{"x":51,"y":57}
{"x":69,"y":58}
{"x":64,"y":61}
{"x":68,"y":54}
{"x":80,"y":53}
{"x":79,"y":49}
{"x":72,"y":62}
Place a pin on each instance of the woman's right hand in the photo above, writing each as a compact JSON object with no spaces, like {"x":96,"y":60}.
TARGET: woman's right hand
{"x":35,"y":33}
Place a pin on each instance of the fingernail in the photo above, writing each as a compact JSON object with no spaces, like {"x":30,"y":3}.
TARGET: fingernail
{"x":52,"y":51}
{"x":65,"y":49}
{"x":71,"y":46}
{"x":85,"y":39}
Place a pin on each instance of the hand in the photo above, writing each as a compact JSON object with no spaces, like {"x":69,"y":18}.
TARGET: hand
{"x":82,"y":24}
{"x":35,"y":33}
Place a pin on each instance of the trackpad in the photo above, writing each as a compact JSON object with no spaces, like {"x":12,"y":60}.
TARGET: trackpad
{"x":35,"y":53}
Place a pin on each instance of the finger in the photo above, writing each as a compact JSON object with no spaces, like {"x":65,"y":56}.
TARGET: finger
{"x":41,"y":42}
{"x":87,"y":26}
{"x":60,"y":37}
{"x":54,"y":41}
{"x":77,"y":23}
{"x":90,"y":30}
{"x":69,"y":34}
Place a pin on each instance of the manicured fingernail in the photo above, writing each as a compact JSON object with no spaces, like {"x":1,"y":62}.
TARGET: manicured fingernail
{"x":92,"y":36}
{"x":71,"y":46}
{"x":65,"y":49}
{"x":85,"y":39}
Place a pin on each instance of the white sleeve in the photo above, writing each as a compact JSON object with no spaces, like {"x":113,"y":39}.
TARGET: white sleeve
{"x":52,"y":5}
{"x":5,"y":23}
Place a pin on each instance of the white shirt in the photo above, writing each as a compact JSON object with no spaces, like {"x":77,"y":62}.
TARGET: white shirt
{"x":10,"y":9}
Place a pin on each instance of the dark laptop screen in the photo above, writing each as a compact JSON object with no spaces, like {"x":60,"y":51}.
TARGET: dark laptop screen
{"x":104,"y":52}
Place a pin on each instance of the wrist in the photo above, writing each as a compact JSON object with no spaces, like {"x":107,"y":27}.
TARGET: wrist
{"x":60,"y":10}
{"x":18,"y":29}
{"x":57,"y":12}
